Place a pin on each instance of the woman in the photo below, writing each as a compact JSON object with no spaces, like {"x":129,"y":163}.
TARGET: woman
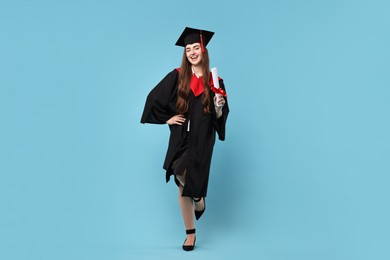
{"x":185,"y":100}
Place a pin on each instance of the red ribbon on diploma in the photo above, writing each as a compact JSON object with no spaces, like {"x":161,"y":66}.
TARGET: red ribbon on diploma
{"x":218,"y":91}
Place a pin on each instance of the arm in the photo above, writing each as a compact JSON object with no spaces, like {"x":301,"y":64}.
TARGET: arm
{"x":221,"y":114}
{"x":160,"y":105}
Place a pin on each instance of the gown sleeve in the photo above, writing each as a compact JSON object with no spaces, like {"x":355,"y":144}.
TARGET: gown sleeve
{"x":160,"y":104}
{"x":220,"y":123}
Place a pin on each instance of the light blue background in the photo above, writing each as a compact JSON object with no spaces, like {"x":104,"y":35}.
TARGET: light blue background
{"x":304,"y":171}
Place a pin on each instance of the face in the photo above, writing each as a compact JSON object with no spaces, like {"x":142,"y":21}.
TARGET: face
{"x":194,"y":53}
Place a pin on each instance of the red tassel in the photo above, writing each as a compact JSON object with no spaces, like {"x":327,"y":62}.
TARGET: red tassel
{"x":201,"y":41}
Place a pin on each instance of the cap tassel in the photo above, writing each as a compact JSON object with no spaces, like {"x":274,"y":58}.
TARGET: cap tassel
{"x":201,"y":41}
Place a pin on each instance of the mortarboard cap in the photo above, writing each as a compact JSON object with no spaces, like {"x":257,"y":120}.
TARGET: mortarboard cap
{"x":191,"y":35}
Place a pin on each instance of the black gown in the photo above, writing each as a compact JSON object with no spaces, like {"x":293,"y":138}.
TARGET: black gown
{"x":194,"y":148}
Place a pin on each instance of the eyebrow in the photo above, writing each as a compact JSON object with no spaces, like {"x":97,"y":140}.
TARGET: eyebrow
{"x":197,"y":45}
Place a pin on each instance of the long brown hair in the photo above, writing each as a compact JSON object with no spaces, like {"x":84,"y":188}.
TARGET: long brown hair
{"x":185,"y":75}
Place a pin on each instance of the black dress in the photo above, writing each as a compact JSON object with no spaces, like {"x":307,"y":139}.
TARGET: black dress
{"x":190,"y":150}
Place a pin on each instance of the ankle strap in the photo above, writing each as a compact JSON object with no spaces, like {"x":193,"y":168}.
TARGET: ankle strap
{"x":190,"y":231}
{"x":197,"y":200}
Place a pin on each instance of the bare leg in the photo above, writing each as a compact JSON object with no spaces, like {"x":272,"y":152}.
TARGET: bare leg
{"x":187,"y":212}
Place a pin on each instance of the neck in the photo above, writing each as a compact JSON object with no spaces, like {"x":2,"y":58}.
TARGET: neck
{"x":197,"y":70}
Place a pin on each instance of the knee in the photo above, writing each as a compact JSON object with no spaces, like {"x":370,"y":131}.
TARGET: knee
{"x":181,"y":180}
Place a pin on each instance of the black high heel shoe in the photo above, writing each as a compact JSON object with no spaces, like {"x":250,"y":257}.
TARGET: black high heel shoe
{"x":190,"y":247}
{"x":199,"y":213}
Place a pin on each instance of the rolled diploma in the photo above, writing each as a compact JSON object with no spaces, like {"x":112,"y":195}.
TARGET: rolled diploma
{"x":214,"y":73}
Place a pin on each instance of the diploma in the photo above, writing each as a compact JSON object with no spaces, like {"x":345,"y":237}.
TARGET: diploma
{"x":214,"y":73}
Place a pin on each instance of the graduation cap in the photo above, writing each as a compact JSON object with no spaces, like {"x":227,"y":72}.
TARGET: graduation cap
{"x":191,"y":35}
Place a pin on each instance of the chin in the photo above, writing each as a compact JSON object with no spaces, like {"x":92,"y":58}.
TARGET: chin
{"x":197,"y":63}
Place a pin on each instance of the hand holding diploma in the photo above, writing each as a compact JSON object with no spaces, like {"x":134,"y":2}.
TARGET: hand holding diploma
{"x":219,"y":100}
{"x":216,"y":89}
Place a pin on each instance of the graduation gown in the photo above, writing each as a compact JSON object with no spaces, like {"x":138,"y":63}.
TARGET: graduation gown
{"x":198,"y":142}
